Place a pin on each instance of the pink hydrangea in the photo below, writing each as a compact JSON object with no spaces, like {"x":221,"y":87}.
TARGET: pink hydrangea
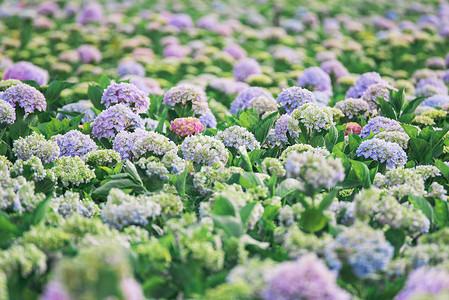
{"x":186,"y":126}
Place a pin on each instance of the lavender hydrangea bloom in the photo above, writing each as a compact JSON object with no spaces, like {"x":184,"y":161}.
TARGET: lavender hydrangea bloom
{"x":377,"y":123}
{"x":128,"y":94}
{"x":362,"y":83}
{"x":130,"y":67}
{"x":27,"y":71}
{"x":334,"y":68}
{"x":315,"y":79}
{"x":208,"y":120}
{"x":378,"y":90}
{"x":36,"y":145}
{"x":353,"y":107}
{"x":205,"y":150}
{"x":91,"y":13}
{"x":294,"y":97}
{"x":7,"y":113}
{"x":26,"y":97}
{"x":228,"y":85}
{"x":235,"y":51}
{"x":313,"y":116}
{"x":246,"y":67}
{"x":55,"y":291}
{"x":382,"y":151}
{"x":183,"y":94}
{"x":115,"y":119}
{"x":433,"y":81}
{"x":148,"y":85}
{"x":425,"y":282}
{"x":74,"y":143}
{"x":436,"y":101}
{"x":181,"y":21}
{"x":88,"y":114}
{"x":244,"y":98}
{"x":306,"y":278}
{"x":237,"y":136}
{"x":89,"y":53}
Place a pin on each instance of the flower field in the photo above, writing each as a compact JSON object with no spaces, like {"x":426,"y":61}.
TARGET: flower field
{"x":224,"y":150}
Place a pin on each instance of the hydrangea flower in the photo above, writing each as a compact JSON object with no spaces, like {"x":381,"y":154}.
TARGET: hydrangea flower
{"x":384,"y":152}
{"x":91,"y":13}
{"x":353,"y":107}
{"x":88,"y":114}
{"x":235,"y":51}
{"x":315,"y":79}
{"x":314,"y":169}
{"x":26,"y":71}
{"x":36,"y":145}
{"x":299,"y":148}
{"x":294,"y":97}
{"x":353,"y":127}
{"x":237,"y":136}
{"x":425,"y":282}
{"x":130,"y":67}
{"x":74,"y":143}
{"x":362,"y":83}
{"x":377,"y":123}
{"x":7,"y":113}
{"x":313,"y":116}
{"x":378,"y":90}
{"x":34,"y":164}
{"x":181,"y":21}
{"x":115,"y":119}
{"x":398,"y":137}
{"x":70,"y":204}
{"x":5,"y":84}
{"x":127,"y":94}
{"x":244,"y":98}
{"x":183,"y":94}
{"x":186,"y":126}
{"x":26,"y":97}
{"x":246,"y":67}
{"x":271,"y":165}
{"x":334,"y":68}
{"x":104,"y":157}
{"x":72,"y":171}
{"x":89,"y":54}
{"x":205,"y":150}
{"x":436,"y":101}
{"x":306,"y":278}
{"x":363,"y":248}
{"x":263,"y":105}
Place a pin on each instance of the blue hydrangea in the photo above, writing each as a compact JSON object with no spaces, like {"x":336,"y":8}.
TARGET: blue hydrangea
{"x":36,"y":145}
{"x":130,"y":67}
{"x":362,"y":83}
{"x":315,"y":79}
{"x":246,"y":67}
{"x":237,"y":136}
{"x":74,"y":143}
{"x":115,"y":119}
{"x":294,"y":97}
{"x":244,"y":98}
{"x":384,"y":152}
{"x":376,"y":124}
{"x":26,"y":97}
{"x":436,"y":101}
{"x":128,"y":94}
{"x":88,"y":114}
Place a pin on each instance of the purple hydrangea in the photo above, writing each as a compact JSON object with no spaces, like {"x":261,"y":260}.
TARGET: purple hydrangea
{"x":362,"y":83}
{"x":307,"y":278}
{"x":89,"y":53}
{"x":351,"y":107}
{"x":88,"y":114}
{"x":436,"y":100}
{"x":181,"y":21}
{"x":384,"y":152}
{"x":334,"y":68}
{"x":208,"y":120}
{"x":315,"y":79}
{"x":437,"y":83}
{"x":36,"y":145}
{"x":237,"y":136}
{"x":235,"y":51}
{"x":7,"y":113}
{"x":281,"y":127}
{"x":26,"y":71}
{"x":115,"y":119}
{"x":183,"y":94}
{"x":377,"y":123}
{"x":378,"y":90}
{"x":130,"y":67}
{"x":74,"y":143}
{"x":244,"y":98}
{"x":26,"y":97}
{"x":128,"y":94}
{"x":47,"y":8}
{"x":91,"y":13}
{"x":246,"y":67}
{"x":176,"y":50}
{"x":294,"y":97}
{"x":425,"y":282}
{"x":148,"y":85}
{"x":228,"y":85}
{"x":55,"y":291}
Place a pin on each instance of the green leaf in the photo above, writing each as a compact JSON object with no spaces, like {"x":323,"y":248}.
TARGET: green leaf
{"x":396,"y":237}
{"x":181,"y":183}
{"x":420,"y":150}
{"x":411,"y":131}
{"x":250,"y":180}
{"x":362,"y":172}
{"x":130,"y":168}
{"x":245,"y":212}
{"x":327,"y":200}
{"x":313,"y":220}
{"x":423,"y":205}
{"x":54,"y":89}
{"x":412,"y":105}
{"x":230,"y":224}
{"x":18,"y":129}
{"x":441,"y":213}
{"x":224,"y":207}
{"x":387,"y":109}
{"x":397,"y":99}
{"x":443,"y":168}
{"x":288,"y":186}
{"x":162,"y":118}
{"x":124,"y":183}
{"x":264,"y":127}
{"x":104,"y":81}
{"x":95,"y":92}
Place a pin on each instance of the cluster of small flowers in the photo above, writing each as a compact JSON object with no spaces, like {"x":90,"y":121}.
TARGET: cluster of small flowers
{"x":205,"y":150}
{"x":153,"y":168}
{"x":123,"y":210}
{"x":102,"y":158}
{"x":186,"y":126}
{"x":384,"y":152}
{"x":299,"y":148}
{"x":183,"y":94}
{"x":169,"y":202}
{"x":315,"y":79}
{"x":436,"y":190}
{"x":314,"y":169}
{"x":89,"y":54}
{"x":115,"y":119}
{"x":7,"y":113}
{"x":246,"y":67}
{"x":378,"y":90}
{"x":88,"y":114}
{"x":294,"y":97}
{"x":363,"y":248}
{"x":74,"y":143}
{"x":26,"y":71}
{"x":26,"y":97}
{"x":376,"y":124}
{"x":298,"y":243}
{"x":205,"y":179}
{"x":70,"y":203}
{"x":312,"y":116}
{"x":237,"y":136}
{"x":228,"y":85}
{"x":436,"y":101}
{"x":127,"y":94}
{"x":24,"y":260}
{"x":386,"y":210}
{"x":424,"y":121}
{"x":72,"y":171}
{"x":398,"y":137}
{"x":263,"y":105}
{"x":271,"y":165}
{"x":130,"y":67}
{"x":353,"y":107}
{"x":244,"y":98}
{"x":34,"y":164}
{"x":5,"y":84}
{"x":36,"y":145}
{"x":306,"y":278}
{"x":142,"y":143}
{"x":363,"y":83}
{"x":426,"y":283}
{"x":344,"y":212}
{"x":17,"y":194}
{"x":174,"y":163}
